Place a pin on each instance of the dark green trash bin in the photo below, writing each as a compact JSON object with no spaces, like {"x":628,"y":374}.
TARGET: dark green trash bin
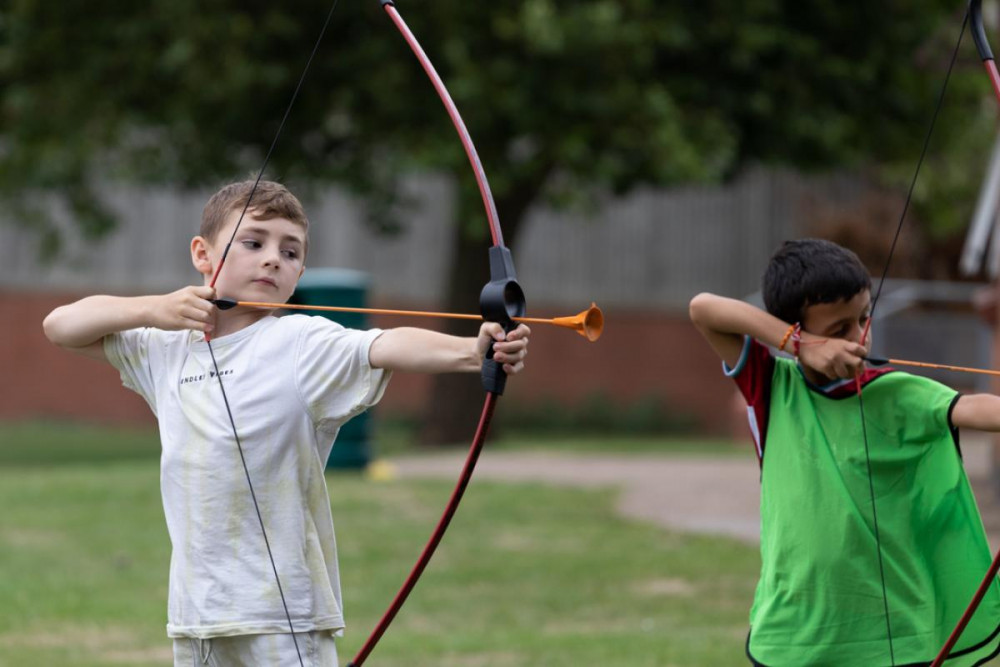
{"x":348,"y":288}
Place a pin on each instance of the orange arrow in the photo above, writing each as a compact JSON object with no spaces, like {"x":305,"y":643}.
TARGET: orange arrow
{"x":588,"y":323}
{"x":877,"y":361}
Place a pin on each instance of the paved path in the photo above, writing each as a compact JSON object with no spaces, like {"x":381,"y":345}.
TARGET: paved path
{"x":717,"y":496}
{"x":708,"y":495}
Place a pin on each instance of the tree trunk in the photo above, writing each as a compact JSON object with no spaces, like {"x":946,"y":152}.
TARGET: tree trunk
{"x":454,"y":405}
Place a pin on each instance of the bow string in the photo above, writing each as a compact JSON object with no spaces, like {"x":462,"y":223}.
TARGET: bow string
{"x":208,"y":338}
{"x":864,"y":338}
{"x":975,"y":17}
{"x":501,"y":300}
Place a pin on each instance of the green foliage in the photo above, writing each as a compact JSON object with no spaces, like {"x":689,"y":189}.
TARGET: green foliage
{"x":565,"y":100}
{"x":950,"y":178}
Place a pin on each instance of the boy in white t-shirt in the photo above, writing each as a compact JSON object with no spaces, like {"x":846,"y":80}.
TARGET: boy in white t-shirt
{"x":290,"y":383}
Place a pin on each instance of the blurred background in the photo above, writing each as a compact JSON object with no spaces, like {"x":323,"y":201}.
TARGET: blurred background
{"x":640,"y":152}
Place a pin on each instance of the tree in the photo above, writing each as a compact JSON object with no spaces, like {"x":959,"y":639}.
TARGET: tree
{"x":567,"y":102}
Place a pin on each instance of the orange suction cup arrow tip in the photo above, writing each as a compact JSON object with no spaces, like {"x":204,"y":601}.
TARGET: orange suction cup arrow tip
{"x":589,"y":323}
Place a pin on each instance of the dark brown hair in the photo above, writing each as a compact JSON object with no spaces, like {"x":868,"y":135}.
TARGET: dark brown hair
{"x":809,"y":271}
{"x":270,"y":200}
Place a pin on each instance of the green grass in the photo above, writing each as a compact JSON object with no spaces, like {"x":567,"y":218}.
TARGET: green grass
{"x":60,"y":443}
{"x":63,"y":443}
{"x":527,"y":574}
{"x":394,"y":438}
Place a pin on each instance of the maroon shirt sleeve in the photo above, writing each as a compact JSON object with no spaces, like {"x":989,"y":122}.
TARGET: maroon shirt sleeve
{"x":752,"y":374}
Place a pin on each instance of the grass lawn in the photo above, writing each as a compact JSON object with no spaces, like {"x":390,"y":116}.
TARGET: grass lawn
{"x":392,"y":438}
{"x":527,"y":574}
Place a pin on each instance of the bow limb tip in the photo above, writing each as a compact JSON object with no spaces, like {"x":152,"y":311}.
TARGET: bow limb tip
{"x":978,"y":31}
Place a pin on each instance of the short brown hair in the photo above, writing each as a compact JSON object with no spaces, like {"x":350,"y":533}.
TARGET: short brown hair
{"x":270,"y":200}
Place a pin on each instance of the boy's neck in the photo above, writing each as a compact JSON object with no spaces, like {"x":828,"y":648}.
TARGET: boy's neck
{"x":231,"y":321}
{"x":818,"y":379}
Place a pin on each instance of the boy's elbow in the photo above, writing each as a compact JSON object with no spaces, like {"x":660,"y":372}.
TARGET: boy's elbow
{"x":50,"y":325}
{"x":698,"y":307}
{"x":54,"y":326}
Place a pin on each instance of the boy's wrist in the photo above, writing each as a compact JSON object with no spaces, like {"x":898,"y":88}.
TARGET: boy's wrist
{"x":152,"y":310}
{"x":143,"y":311}
{"x":477,"y":353}
{"x":137,"y":311}
{"x":791,"y":340}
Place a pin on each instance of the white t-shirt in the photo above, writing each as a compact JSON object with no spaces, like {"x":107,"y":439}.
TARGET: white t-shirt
{"x":291,"y":383}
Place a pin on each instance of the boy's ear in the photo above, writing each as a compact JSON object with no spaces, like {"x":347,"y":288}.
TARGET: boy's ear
{"x":200,"y":257}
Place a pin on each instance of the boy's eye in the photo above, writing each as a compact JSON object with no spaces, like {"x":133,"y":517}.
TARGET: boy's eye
{"x":251,"y":243}
{"x":291,"y":254}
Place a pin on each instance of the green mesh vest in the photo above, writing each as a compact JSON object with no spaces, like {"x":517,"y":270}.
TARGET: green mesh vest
{"x":819,"y":600}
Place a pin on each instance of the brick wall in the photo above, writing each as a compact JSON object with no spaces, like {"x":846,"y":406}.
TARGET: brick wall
{"x":641,"y":355}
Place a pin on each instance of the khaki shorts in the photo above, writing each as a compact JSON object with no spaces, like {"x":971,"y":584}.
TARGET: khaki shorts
{"x":277,"y":650}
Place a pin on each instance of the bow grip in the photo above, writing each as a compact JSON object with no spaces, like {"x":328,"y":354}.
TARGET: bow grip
{"x":501,"y":299}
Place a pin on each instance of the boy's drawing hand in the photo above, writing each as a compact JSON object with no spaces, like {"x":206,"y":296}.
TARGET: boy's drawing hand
{"x":832,"y":357}
{"x":187,"y":308}
{"x":508,"y":349}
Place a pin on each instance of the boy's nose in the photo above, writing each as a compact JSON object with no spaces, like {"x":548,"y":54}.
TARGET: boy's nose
{"x":272,"y":257}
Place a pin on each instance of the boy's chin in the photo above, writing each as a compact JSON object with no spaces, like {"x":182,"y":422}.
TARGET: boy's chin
{"x":266,"y":294}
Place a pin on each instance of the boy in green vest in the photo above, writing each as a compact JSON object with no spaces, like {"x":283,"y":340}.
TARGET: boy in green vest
{"x":871,"y":542}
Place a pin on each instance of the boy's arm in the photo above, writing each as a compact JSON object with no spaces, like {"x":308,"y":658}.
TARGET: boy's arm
{"x":81,"y":326}
{"x":978,"y":411}
{"x":415,"y":350}
{"x":724,"y":322}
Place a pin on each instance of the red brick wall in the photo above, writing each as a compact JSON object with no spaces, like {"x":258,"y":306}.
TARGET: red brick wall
{"x":641,"y":355}
{"x":43,"y":381}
